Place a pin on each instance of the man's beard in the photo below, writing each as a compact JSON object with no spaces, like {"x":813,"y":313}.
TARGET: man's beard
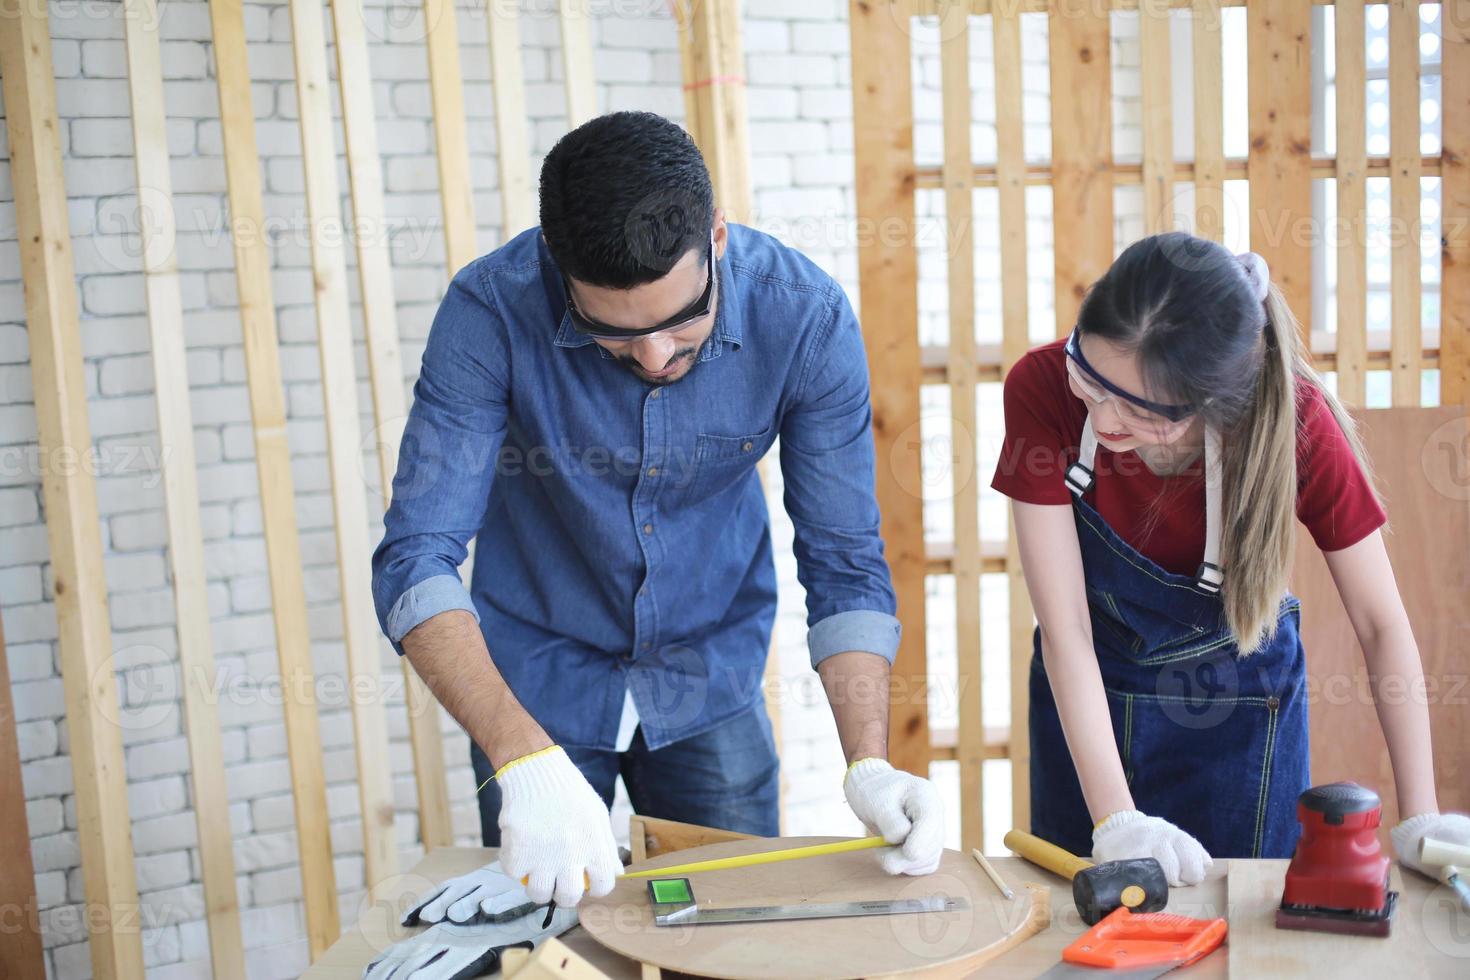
{"x":631,"y":363}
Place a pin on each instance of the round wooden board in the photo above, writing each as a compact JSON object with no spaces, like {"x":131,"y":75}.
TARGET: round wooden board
{"x":852,"y":947}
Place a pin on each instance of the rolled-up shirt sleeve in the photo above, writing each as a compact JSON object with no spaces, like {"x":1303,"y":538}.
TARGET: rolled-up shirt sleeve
{"x":446,"y":461}
{"x":827,"y":465}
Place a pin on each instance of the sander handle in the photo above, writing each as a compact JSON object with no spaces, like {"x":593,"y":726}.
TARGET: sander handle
{"x":1046,"y":854}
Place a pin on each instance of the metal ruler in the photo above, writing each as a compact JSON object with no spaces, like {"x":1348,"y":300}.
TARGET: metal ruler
{"x":686,"y":915}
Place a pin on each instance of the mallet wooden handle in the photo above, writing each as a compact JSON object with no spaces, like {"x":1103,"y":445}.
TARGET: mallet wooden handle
{"x":1438,"y":852}
{"x":1045,"y":854}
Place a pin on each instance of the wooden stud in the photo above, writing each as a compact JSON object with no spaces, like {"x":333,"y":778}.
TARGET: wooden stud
{"x":273,"y":465}
{"x":385,"y":371}
{"x":888,"y":291}
{"x":1158,"y":115}
{"x":1209,"y":121}
{"x":344,"y":440}
{"x":1352,"y":203}
{"x":20,"y":945}
{"x":451,"y":146}
{"x":1280,"y":159}
{"x":1010,"y":168}
{"x":959,"y":214}
{"x":181,"y":487}
{"x":575,"y":18}
{"x":715,"y":115}
{"x":1405,"y":195}
{"x":1081,"y":153}
{"x":69,"y":492}
{"x":715,"y":98}
{"x":512,"y":142}
{"x":1454,"y":283}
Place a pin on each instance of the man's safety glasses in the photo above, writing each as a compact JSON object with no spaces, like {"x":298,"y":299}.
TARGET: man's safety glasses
{"x":697,"y":310}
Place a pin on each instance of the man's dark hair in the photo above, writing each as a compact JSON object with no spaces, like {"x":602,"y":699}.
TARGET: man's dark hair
{"x":623,"y":198}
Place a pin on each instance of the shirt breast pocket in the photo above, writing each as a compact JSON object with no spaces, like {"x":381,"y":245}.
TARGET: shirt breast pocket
{"x":722,"y":462}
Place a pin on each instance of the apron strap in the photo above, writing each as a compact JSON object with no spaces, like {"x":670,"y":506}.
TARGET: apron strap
{"x":1079,"y":477}
{"x":1209,"y":578}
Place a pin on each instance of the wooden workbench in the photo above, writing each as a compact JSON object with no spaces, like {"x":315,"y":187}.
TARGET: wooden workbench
{"x":1428,"y":925}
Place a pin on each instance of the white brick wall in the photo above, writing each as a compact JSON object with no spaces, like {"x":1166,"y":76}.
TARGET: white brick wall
{"x":801,"y":146}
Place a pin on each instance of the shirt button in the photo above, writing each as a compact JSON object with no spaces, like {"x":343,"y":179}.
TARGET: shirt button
{"x":748,"y":446}
{"x":648,"y":529}
{"x":653,"y":471}
{"x":643,"y":592}
{"x":655,"y":393}
{"x":644,"y":645}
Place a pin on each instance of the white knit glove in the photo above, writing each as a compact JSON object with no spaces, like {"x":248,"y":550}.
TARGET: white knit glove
{"x":453,"y":952}
{"x":554,"y":830}
{"x":1452,"y":828}
{"x":486,"y":894}
{"x":905,"y":809}
{"x":1132,"y":834}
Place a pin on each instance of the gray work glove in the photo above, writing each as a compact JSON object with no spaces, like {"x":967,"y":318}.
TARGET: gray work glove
{"x":486,"y":894}
{"x":452,"y":952}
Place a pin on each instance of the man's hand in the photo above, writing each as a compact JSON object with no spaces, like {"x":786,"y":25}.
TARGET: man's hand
{"x":905,"y":809}
{"x":554,"y":830}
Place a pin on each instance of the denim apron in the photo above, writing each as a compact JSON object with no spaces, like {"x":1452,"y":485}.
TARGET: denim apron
{"x":1214,"y":743}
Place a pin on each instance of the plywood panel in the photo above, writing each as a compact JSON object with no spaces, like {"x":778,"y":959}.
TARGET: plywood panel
{"x":1258,"y":949}
{"x":1209,"y":121}
{"x":959,"y":216}
{"x":1279,"y":36}
{"x":20,"y":949}
{"x":451,"y":145}
{"x":273,"y":468}
{"x":1081,"y":152}
{"x":69,"y":492}
{"x":888,"y":291}
{"x":1454,"y":337}
{"x":181,"y":489}
{"x":385,"y":370}
{"x":1352,"y":204}
{"x":899,"y":945}
{"x":1419,"y":457}
{"x":1404,"y":195}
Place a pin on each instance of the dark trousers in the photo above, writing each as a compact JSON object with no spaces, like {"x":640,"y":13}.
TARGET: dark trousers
{"x":727,"y":777}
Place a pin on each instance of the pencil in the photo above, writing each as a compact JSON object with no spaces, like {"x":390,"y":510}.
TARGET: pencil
{"x":1004,"y":889}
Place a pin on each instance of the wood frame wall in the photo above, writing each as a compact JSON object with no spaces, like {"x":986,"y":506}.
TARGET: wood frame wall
{"x":71,"y":508}
{"x":1082,"y":175}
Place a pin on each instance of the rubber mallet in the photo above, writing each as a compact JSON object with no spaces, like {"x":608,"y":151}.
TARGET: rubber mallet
{"x":1137,"y":883}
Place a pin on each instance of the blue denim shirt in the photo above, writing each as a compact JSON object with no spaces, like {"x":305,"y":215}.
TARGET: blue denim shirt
{"x":622,"y":537}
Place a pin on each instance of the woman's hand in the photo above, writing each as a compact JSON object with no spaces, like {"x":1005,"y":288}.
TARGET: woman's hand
{"x":1452,"y":828}
{"x":1133,"y":834}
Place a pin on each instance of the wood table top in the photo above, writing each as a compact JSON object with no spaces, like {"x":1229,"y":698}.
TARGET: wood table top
{"x":1429,"y":924}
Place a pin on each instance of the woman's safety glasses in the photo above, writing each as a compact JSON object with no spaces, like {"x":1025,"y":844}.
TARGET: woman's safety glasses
{"x":1134,"y":410}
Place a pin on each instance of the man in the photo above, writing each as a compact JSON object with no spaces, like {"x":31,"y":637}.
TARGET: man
{"x":593,"y":399}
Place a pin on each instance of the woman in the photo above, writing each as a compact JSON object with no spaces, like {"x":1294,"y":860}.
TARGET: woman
{"x":1165,"y":621}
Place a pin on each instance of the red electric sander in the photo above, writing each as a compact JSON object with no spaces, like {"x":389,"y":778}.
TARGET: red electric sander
{"x":1338,"y":878}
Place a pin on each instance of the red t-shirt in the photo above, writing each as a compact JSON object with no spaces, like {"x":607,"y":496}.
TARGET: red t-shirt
{"x":1164,"y":518}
